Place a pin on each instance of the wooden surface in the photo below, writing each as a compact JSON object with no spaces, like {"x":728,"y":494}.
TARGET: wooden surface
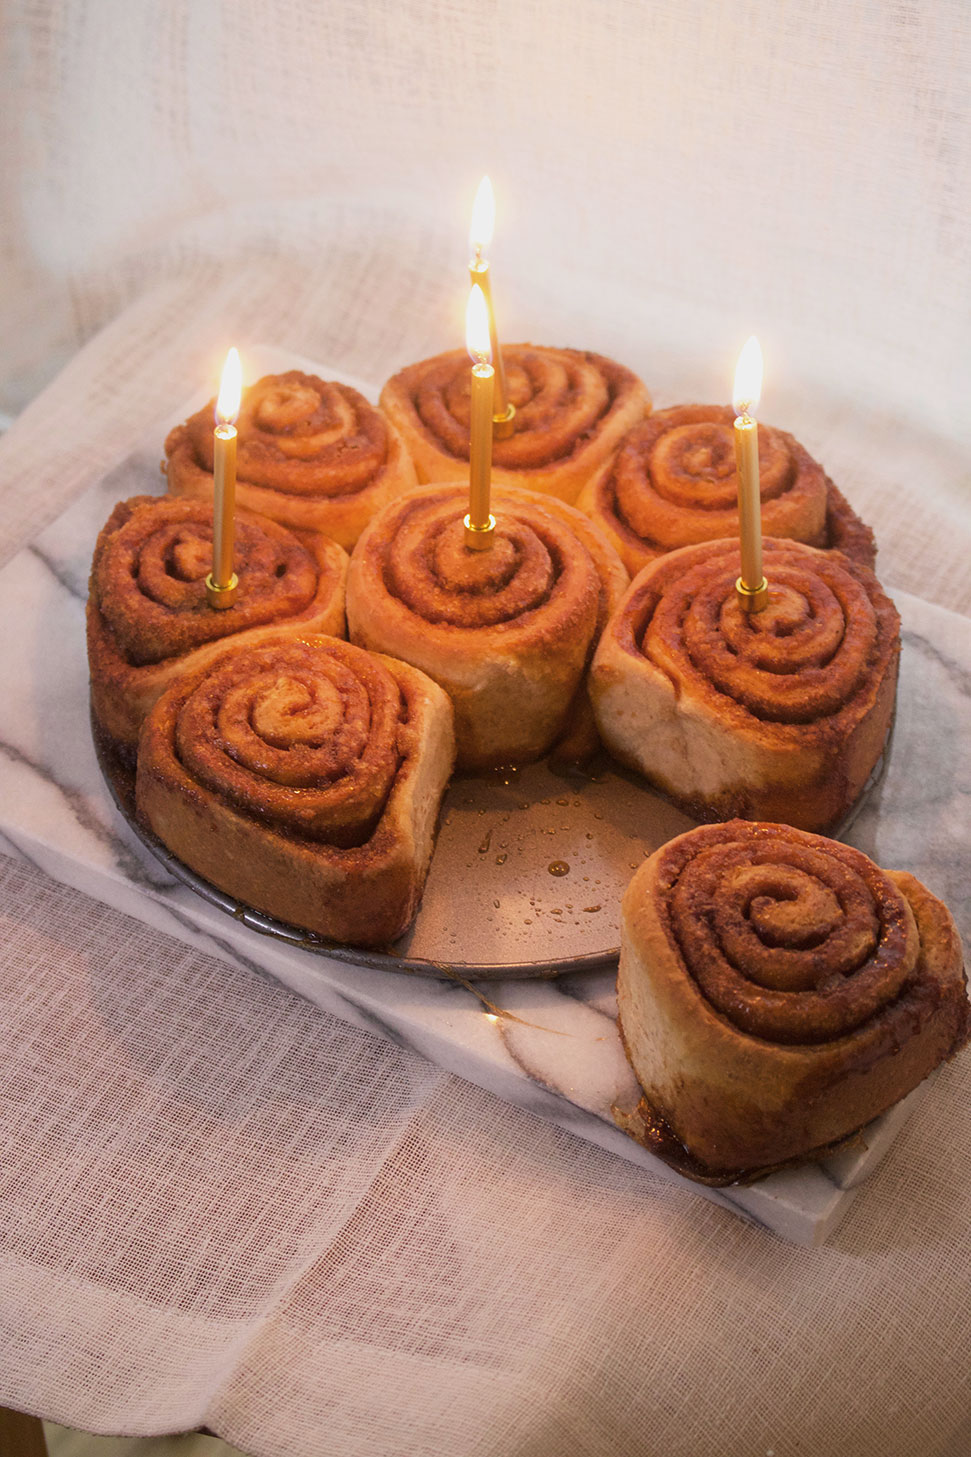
{"x":21,"y":1435}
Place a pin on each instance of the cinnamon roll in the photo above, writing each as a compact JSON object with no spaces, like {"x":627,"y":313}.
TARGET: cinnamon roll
{"x":778,"y":990}
{"x":672,"y":483}
{"x":310,"y":454}
{"x":572,"y":411}
{"x":508,"y":632}
{"x":778,"y":715}
{"x":148,"y":618}
{"x":302,"y":776}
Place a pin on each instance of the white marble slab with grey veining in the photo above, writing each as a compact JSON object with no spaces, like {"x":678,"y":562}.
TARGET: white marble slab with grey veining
{"x":556,"y":1051}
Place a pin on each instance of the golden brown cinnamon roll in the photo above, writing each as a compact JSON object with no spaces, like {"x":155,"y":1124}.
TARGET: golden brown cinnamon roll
{"x":780,"y":714}
{"x":302,"y":776}
{"x":508,"y":632}
{"x":572,"y":410}
{"x":310,"y":454}
{"x":778,"y":990}
{"x":148,"y":616}
{"x":672,"y":483}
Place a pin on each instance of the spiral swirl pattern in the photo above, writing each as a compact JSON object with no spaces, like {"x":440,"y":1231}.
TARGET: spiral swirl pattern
{"x":777,"y":715}
{"x":300,"y":435}
{"x":535,"y":563}
{"x":311,"y":454}
{"x":776,"y":991}
{"x":680,"y":465}
{"x":302,"y":776}
{"x":673,"y":483}
{"x":296,"y":735}
{"x":560,"y":396}
{"x":572,"y":410}
{"x":802,"y":659}
{"x":507,"y":632}
{"x":149,"y":571}
{"x":791,"y":938}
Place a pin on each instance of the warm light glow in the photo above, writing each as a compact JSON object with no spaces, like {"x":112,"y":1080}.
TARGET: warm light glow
{"x":477,"y":326}
{"x":483,"y":217}
{"x":748,"y":378}
{"x":230,"y":390}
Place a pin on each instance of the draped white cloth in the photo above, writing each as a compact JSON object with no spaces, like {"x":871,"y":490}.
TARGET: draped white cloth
{"x":218,"y":1205}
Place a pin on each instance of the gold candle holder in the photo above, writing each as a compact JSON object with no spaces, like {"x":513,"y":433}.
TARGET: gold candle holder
{"x":479,"y":538}
{"x":751,"y":588}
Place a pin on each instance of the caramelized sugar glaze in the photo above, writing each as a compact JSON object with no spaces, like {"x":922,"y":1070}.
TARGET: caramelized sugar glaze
{"x":673,"y":483}
{"x":507,"y":632}
{"x":310,"y":453}
{"x":777,"y":990}
{"x":790,"y":941}
{"x":148,"y":615}
{"x":572,"y":410}
{"x":302,"y":776}
{"x":302,"y":739}
{"x":780,"y":714}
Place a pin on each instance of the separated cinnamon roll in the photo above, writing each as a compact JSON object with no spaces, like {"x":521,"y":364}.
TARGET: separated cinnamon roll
{"x":508,"y":632}
{"x":148,"y":617}
{"x":778,"y":990}
{"x":778,"y":715}
{"x":302,"y":776}
{"x":311,"y":454}
{"x":673,"y":483}
{"x":572,"y":411}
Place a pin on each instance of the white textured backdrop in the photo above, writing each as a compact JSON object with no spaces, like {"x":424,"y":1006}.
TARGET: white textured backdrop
{"x":693,"y":170}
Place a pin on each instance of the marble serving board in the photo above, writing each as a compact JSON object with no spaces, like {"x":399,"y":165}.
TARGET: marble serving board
{"x":549,"y":1046}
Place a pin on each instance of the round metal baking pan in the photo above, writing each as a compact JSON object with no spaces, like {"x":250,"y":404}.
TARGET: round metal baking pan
{"x":526,"y":879}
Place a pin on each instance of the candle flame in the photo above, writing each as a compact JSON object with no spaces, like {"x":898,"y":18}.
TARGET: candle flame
{"x":483,"y":217}
{"x":477,"y":326}
{"x":748,"y":378}
{"x":230,"y":390}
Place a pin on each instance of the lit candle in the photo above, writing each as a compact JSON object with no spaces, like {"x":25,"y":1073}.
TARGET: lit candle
{"x":751,"y":587}
{"x":222,"y":582}
{"x":479,"y":524}
{"x":480,"y":236}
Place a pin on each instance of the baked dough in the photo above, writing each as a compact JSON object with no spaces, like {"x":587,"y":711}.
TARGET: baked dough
{"x":302,"y":776}
{"x":673,"y":483}
{"x":508,"y":632}
{"x":778,"y":990}
{"x":148,"y":617}
{"x":781,"y":714}
{"x":311,"y":454}
{"x":572,"y":411}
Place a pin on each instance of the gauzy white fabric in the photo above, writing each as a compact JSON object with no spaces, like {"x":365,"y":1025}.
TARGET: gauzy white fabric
{"x":218,"y":1205}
